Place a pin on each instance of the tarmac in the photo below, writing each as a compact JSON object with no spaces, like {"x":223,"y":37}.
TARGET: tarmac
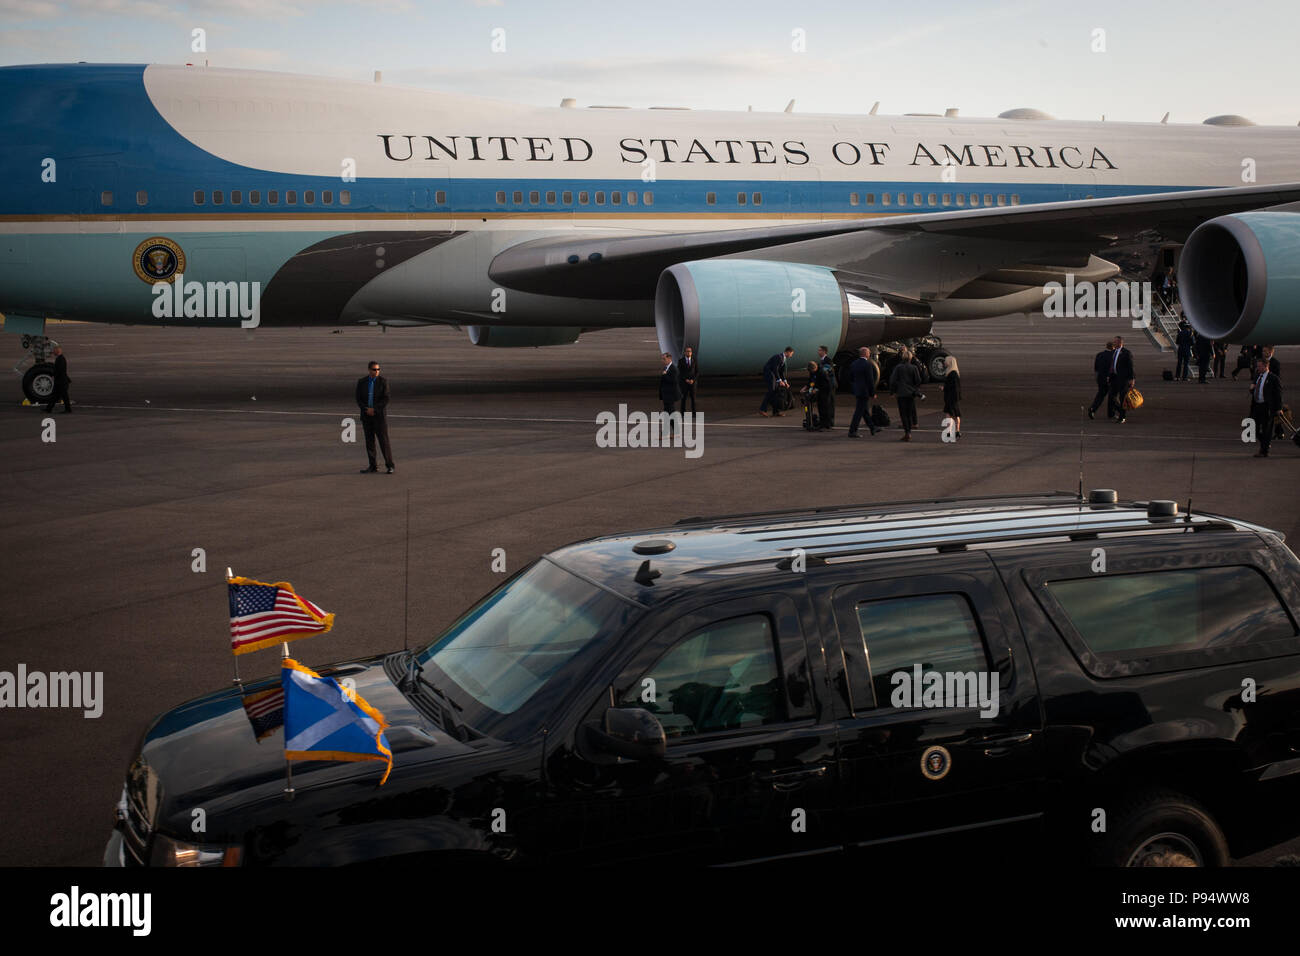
{"x":231,"y":442}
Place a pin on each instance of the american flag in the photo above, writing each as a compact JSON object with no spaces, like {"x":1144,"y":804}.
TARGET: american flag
{"x":265,"y":614}
{"x":265,"y":710}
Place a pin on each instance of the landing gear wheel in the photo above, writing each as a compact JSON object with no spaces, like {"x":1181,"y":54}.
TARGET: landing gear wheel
{"x":38,"y":383}
{"x":1161,"y":828}
{"x":935,"y":365}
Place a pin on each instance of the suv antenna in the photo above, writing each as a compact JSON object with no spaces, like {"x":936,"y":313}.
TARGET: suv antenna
{"x":406,"y":598}
{"x":1081,"y":464}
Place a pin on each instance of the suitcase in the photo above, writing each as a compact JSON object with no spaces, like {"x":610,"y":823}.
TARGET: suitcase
{"x":784,"y":398}
{"x":879,"y":417}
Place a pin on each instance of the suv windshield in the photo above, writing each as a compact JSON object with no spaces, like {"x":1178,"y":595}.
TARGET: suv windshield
{"x":523,"y":644}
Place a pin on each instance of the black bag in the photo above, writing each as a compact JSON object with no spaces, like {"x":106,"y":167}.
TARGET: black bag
{"x":784,"y":398}
{"x":1167,"y":375}
{"x":879,"y":417}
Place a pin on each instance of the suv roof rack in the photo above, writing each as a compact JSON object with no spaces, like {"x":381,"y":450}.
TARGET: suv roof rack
{"x":881,"y":505}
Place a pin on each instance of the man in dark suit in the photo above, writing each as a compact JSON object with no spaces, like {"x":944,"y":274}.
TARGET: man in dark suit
{"x":863,"y":375}
{"x":688,"y":371}
{"x":774,"y":376}
{"x":61,"y":382}
{"x":1204,"y":349}
{"x":1265,"y":402}
{"x":670,"y":389}
{"x":828,"y":368}
{"x":372,"y":399}
{"x":1101,"y":369}
{"x":1182,"y":371}
{"x":1120,"y":380}
{"x":1274,"y":366}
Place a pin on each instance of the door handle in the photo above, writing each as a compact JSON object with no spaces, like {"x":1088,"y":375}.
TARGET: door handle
{"x":786,"y":780}
{"x":1001,"y":746}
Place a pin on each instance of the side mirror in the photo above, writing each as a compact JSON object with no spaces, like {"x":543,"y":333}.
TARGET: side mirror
{"x":631,"y":732}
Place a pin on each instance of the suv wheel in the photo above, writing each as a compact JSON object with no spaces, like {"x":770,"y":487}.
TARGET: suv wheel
{"x":1162,"y":828}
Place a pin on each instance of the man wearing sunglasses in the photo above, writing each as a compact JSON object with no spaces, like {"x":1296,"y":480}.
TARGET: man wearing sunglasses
{"x":372,"y":399}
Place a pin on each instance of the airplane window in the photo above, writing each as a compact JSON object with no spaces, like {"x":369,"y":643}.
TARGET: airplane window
{"x":327,"y":197}
{"x":740,"y":199}
{"x":550,"y":198}
{"x":616,"y":198}
{"x":916,"y":199}
{"x":902,"y":199}
{"x":518,"y":197}
{"x":583,"y":198}
{"x":961,"y":199}
{"x":439,"y":197}
{"x":566,"y":198}
{"x":871,"y":199}
{"x":218,"y":197}
{"x":600,"y":197}
{"x":710,"y":198}
{"x":988,"y":199}
{"x":757,"y":199}
{"x":631,"y":198}
{"x":1002,"y":199}
{"x":534,"y":198}
{"x":345,"y":197}
{"x":236,"y":196}
{"x":106,"y":197}
{"x":309,"y":196}
{"x":254,"y":196}
{"x":931,"y":199}
{"x":1015,"y":199}
{"x":884,"y":199}
{"x":947,"y":199}
{"x":648,"y":198}
{"x":501,"y":197}
{"x":291,"y":196}
{"x":198,"y":197}
{"x":974,"y":199}
{"x":853,"y":199}
{"x":142,"y":197}
{"x":273,"y":197}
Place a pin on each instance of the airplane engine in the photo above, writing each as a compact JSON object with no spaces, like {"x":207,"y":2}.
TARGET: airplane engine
{"x":736,"y":313}
{"x":1239,"y":278}
{"x":521,"y":336}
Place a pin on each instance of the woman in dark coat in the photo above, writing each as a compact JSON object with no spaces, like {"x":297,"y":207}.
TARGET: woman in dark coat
{"x":952,"y":391}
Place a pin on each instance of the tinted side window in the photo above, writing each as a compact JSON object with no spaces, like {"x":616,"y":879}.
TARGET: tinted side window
{"x":1143,"y":615}
{"x":723,"y":677}
{"x":937,"y":631}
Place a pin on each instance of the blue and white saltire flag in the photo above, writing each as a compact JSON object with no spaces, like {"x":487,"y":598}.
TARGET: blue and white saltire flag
{"x":325,"y":721}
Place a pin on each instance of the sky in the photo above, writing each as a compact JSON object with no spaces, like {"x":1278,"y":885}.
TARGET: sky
{"x":1131,"y":60}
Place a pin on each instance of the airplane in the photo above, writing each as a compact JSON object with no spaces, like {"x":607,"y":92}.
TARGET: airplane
{"x":193,"y":196}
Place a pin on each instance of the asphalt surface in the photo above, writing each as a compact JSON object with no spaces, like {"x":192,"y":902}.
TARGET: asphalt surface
{"x":230,"y":442}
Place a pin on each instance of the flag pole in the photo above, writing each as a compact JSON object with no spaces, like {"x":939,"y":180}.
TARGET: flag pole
{"x":288,"y":764}
{"x":238,"y":680}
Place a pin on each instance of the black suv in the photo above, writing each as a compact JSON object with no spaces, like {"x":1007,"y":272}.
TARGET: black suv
{"x":1094,"y":680}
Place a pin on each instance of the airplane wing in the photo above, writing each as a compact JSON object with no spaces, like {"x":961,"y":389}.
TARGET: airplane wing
{"x":921,"y":257}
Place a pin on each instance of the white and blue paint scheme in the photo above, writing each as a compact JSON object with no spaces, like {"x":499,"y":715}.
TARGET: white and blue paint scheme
{"x":347,"y":203}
